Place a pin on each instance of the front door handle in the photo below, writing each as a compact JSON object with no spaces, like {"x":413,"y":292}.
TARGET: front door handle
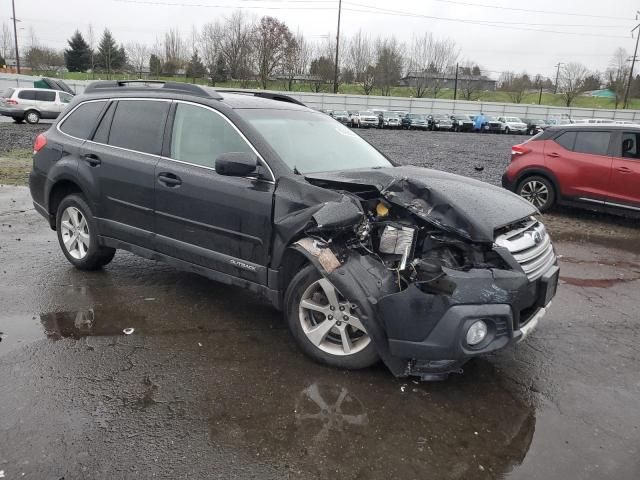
{"x":623,"y":169}
{"x":553,"y":155}
{"x":92,"y":159}
{"x":169,"y":180}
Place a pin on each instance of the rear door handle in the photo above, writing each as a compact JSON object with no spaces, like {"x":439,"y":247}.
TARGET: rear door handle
{"x":553,"y":155}
{"x":623,"y":169}
{"x":169,"y":180}
{"x":92,"y":159}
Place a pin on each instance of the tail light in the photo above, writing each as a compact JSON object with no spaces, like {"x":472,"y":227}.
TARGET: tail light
{"x":41,"y":141}
{"x":10,"y":101}
{"x":519,"y":150}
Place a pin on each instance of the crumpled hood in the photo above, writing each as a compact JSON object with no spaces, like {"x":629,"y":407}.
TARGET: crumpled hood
{"x":469,"y":207}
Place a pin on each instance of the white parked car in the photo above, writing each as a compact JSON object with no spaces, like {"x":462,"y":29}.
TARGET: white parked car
{"x":32,"y":104}
{"x":512,"y":125}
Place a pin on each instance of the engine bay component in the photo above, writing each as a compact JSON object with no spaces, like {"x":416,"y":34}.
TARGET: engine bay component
{"x":396,"y":240}
{"x":382,"y":210}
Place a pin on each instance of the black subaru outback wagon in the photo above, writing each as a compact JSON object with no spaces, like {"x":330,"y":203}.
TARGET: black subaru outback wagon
{"x":368,"y":260}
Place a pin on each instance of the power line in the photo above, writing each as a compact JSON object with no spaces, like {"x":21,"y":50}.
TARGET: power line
{"x":486,"y":23}
{"x":515,"y":9}
{"x":308,"y":6}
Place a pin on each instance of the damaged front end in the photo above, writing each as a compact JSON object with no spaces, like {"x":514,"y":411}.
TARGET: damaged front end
{"x":429,"y":287}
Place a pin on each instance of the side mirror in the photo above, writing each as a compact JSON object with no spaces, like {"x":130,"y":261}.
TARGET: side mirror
{"x":236,"y":164}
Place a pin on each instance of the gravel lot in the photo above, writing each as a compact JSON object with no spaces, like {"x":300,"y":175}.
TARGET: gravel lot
{"x":19,"y":136}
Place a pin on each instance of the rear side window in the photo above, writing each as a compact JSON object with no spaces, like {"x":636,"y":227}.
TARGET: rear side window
{"x":200,"y":136}
{"x":45,"y":96}
{"x":27,"y":95}
{"x":567,"y":140}
{"x":82,"y":120}
{"x":594,"y":143}
{"x":139,"y":125}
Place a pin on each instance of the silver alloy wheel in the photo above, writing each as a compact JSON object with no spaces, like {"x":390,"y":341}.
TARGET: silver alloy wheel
{"x":74,"y":230}
{"x":328,"y":321}
{"x":32,"y":117}
{"x":535,"y":192}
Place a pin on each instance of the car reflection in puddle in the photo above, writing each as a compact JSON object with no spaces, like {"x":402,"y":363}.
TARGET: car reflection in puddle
{"x":469,"y":427}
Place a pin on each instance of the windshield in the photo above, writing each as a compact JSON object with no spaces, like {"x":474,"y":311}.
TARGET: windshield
{"x":340,"y":113}
{"x":514,"y":120}
{"x":462,"y":117}
{"x":311,"y":142}
{"x":367,"y":113}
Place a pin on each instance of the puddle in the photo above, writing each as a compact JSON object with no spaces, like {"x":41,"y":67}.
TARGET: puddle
{"x":469,"y":427}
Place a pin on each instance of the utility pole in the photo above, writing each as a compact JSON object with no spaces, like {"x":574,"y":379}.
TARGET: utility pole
{"x":633,"y":63}
{"x":455,"y":86}
{"x":15,"y":35}
{"x":540,"y":96}
{"x":555,"y":90}
{"x":336,"y":71}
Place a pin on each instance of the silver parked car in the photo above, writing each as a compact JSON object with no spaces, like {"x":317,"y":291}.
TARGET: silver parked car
{"x":32,"y":104}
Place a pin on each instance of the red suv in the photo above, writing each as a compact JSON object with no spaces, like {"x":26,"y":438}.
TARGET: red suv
{"x":582,"y":165}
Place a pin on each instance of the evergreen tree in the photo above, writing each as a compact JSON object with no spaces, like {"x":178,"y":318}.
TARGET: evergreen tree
{"x":78,"y":56}
{"x":3,"y":62}
{"x":155,"y":66}
{"x":195,"y":68}
{"x":110,"y":57}
{"x":218,"y":72}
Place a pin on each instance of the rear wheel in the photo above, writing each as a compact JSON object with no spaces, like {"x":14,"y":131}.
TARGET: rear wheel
{"x":32,"y":117}
{"x":539,"y":191}
{"x":325,"y":324}
{"x":78,"y":235}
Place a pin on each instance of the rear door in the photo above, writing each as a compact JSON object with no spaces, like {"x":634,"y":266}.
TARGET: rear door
{"x":216,"y":221}
{"x":581,"y":162}
{"x":121,"y":158}
{"x":46,"y":102}
{"x":625,"y":174}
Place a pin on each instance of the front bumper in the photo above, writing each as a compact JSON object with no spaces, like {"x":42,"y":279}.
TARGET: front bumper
{"x":424,"y":326}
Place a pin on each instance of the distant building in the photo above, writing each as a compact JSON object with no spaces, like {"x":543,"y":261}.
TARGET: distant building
{"x":448,"y":80}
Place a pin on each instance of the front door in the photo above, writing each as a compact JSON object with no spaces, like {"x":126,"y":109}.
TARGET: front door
{"x":581,"y":163}
{"x":219,"y":222}
{"x":120,"y":161}
{"x":625,"y":174}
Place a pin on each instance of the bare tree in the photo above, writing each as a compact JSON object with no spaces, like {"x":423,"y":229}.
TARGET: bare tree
{"x":6,"y":41}
{"x":174,"y":51}
{"x":210,"y":44}
{"x":270,"y":39}
{"x":617,"y":74}
{"x":360,"y":59}
{"x":389,"y":63}
{"x":469,"y":84}
{"x":296,"y":60}
{"x":572,"y":81}
{"x":368,"y":80}
{"x":138,"y":56}
{"x":515,"y":86}
{"x":236,"y":45}
{"x":91,"y":41}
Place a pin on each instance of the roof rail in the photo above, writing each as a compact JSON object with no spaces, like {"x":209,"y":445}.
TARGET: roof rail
{"x":263,"y":94}
{"x":144,"y":84}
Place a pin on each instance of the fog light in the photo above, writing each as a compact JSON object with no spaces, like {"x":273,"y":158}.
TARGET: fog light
{"x":477,"y":333}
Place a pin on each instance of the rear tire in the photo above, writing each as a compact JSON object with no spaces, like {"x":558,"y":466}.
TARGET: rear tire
{"x":78,"y":235}
{"x":32,"y":117}
{"x":539,"y":191}
{"x":321,"y":332}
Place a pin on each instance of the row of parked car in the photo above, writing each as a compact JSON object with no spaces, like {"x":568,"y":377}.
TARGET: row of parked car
{"x":458,"y":122}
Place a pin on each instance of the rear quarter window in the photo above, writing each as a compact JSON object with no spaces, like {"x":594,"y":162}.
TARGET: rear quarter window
{"x":566,"y":140}
{"x":81,"y":121}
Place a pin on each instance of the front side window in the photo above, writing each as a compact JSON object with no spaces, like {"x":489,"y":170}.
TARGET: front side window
{"x":594,"y":143}
{"x":630,"y":145}
{"x":82,"y":120}
{"x":139,"y":125}
{"x":46,"y":96}
{"x":310,"y":142}
{"x":27,"y":95}
{"x":201,"y":135}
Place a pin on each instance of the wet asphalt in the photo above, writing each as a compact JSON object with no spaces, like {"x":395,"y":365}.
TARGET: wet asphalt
{"x":211,"y":385}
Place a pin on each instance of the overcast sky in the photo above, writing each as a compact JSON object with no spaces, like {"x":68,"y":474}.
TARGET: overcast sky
{"x":486,"y":31}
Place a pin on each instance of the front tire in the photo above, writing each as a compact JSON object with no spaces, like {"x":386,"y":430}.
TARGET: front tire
{"x":325,"y":325}
{"x":507,"y":130}
{"x":78,"y":235}
{"x":539,"y":191}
